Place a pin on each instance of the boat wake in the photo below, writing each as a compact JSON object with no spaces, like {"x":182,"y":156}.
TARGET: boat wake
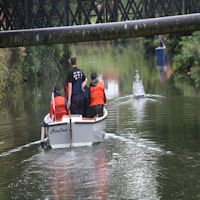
{"x":19,"y":148}
{"x":138,"y":142}
{"x":130,"y":98}
{"x":155,"y":96}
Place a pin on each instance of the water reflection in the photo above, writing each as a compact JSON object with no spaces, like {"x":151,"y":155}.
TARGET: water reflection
{"x":163,"y":64}
{"x":135,"y":161}
{"x":61,"y":187}
{"x":111,"y":85}
{"x":139,"y":100}
{"x":138,"y":109}
{"x":162,"y":57}
{"x":138,"y":88}
{"x":80,"y":173}
{"x":101,"y":177}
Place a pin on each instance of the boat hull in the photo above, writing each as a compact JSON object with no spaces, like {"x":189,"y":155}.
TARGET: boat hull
{"x":84,"y":132}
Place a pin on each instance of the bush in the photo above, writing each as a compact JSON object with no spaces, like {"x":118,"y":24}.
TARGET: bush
{"x":187,"y":61}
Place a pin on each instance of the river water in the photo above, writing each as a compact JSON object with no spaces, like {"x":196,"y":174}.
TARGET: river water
{"x":151,"y":148}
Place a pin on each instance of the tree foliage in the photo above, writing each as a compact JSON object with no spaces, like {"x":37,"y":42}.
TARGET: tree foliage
{"x":32,"y":64}
{"x":187,"y":60}
{"x":45,"y":62}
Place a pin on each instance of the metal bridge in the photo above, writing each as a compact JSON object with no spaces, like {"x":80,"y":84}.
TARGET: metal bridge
{"x":38,"y":22}
{"x":30,"y":14}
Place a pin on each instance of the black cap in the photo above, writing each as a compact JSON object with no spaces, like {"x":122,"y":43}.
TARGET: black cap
{"x":93,"y":75}
{"x":56,"y":89}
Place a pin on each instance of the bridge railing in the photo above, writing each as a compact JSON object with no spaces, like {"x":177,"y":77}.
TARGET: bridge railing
{"x":27,"y":14}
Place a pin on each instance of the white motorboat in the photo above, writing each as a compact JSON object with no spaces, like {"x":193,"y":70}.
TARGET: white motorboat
{"x":138,"y":88}
{"x":73,"y":131}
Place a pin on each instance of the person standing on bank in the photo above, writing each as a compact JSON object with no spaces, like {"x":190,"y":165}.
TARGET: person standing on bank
{"x":97,"y":97}
{"x":76,"y":83}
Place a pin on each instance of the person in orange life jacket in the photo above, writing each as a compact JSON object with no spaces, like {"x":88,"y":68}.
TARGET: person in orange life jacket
{"x":60,"y":107}
{"x":76,"y":83}
{"x":60,"y":104}
{"x":97,"y":97}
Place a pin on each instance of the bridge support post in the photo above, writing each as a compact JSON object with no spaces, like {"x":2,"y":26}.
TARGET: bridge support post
{"x":67,"y":11}
{"x":64,"y":13}
{"x":79,"y":12}
{"x":183,"y":7}
{"x":28,"y":13}
{"x":116,"y":5}
{"x":105,"y":11}
{"x":144,"y":9}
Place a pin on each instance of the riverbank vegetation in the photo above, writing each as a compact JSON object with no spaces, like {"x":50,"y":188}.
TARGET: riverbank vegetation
{"x":45,"y":62}
{"x":10,"y":68}
{"x":186,"y":58}
{"x":32,"y":64}
{"x":184,"y":53}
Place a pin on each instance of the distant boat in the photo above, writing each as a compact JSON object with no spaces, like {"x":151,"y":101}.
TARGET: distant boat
{"x":79,"y":132}
{"x":138,"y":88}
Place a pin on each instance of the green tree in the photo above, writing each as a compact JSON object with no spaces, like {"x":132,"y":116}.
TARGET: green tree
{"x":187,"y":61}
{"x":46,"y":62}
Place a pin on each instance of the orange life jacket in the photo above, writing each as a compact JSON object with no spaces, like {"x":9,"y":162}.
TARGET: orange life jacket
{"x":60,"y":109}
{"x":97,"y":94}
